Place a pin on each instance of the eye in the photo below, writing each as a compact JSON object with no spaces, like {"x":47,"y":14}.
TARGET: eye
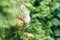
{"x":21,"y":19}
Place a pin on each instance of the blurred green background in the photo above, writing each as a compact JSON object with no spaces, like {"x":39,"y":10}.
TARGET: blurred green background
{"x":45,"y":19}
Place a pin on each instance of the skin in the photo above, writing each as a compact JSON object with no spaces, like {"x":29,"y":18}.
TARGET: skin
{"x":20,"y":21}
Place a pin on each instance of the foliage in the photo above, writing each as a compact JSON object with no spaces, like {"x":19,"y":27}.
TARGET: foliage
{"x":43,"y":17}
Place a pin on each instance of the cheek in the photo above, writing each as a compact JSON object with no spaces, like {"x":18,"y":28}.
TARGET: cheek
{"x":20,"y":23}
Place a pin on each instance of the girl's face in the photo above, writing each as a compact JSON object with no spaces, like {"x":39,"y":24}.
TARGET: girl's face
{"x":20,"y":21}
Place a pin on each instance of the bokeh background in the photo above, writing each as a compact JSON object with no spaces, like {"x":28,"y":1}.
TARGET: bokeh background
{"x":44,"y":23}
